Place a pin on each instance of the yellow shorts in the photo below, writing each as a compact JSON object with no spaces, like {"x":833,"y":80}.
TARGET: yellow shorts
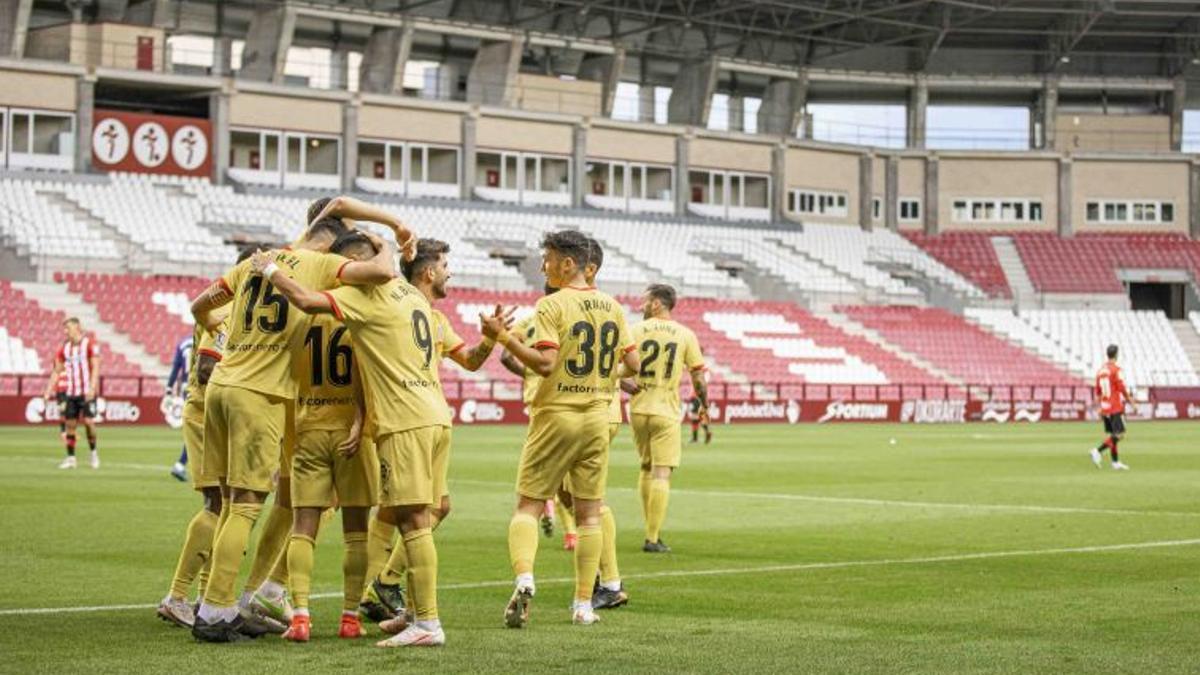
{"x":288,"y":450}
{"x":613,"y":429}
{"x":563,"y":445}
{"x":413,"y":466}
{"x":658,"y":440}
{"x":193,"y":440}
{"x":320,"y":471}
{"x":242,"y":432}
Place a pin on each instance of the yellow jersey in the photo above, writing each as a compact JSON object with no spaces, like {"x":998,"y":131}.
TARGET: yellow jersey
{"x":208,"y":344}
{"x":588,"y":328}
{"x":448,"y":341}
{"x":666,"y":348}
{"x":325,"y":369}
{"x":395,"y":346}
{"x":264,"y":330}
{"x":522,"y":332}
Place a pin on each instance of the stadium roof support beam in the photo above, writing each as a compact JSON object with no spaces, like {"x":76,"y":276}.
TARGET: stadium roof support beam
{"x":783,"y":102}
{"x":930,"y":205}
{"x":493,"y":76}
{"x":14,"y":27}
{"x":1043,"y":129}
{"x":111,"y":10}
{"x":1072,"y":29}
{"x":1066,"y":226}
{"x":915,"y":112}
{"x":606,"y":69}
{"x":691,"y":95}
{"x":267,"y":43}
{"x":384,"y":59}
{"x":1178,"y":98}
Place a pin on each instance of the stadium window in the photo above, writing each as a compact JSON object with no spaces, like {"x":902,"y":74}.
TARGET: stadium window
{"x":1130,"y":212}
{"x":20,"y":131}
{"x":811,"y":202}
{"x":876,"y":208}
{"x":1093,"y":212}
{"x":910,"y":210}
{"x":996,"y":210}
{"x":372,"y":162}
{"x":960,"y":212}
{"x":441,"y":165}
{"x":1166,"y":212}
{"x":395,"y":162}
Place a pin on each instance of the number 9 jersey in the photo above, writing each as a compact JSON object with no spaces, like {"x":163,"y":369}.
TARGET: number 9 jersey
{"x":264,"y":330}
{"x":667,"y":348}
{"x":589,"y":330}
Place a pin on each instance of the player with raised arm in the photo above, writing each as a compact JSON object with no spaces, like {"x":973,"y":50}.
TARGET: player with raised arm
{"x":1112,"y":394}
{"x":178,"y":385}
{"x":78,"y":359}
{"x":580,"y":340}
{"x":245,"y":404}
{"x":667,"y":348}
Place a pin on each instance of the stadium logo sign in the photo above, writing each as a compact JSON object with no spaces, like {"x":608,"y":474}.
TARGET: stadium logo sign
{"x":480,"y":411}
{"x":933,"y":412}
{"x":754,"y":411}
{"x":117,"y":411}
{"x":172,"y":410}
{"x":793,"y":411}
{"x":150,"y":144}
{"x":840,"y":410}
{"x":1193,"y":411}
{"x":110,"y":141}
{"x":1068,"y":410}
{"x":1028,"y":411}
{"x":996,"y":411}
{"x":189,"y":147}
{"x":1166,"y":410}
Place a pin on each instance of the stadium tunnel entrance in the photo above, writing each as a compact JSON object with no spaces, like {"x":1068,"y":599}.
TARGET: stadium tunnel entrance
{"x":1173,"y":299}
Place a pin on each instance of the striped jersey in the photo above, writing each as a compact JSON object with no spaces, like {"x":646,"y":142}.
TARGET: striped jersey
{"x":77,"y":367}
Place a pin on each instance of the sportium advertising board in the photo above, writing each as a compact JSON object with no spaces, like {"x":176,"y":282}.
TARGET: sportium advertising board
{"x":159,"y":144}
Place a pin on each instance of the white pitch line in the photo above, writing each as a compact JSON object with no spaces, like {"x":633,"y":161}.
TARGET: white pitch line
{"x":799,"y":567}
{"x":869,"y":501}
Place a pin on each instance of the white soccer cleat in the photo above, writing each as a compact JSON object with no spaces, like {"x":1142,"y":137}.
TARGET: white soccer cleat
{"x":1096,"y":458}
{"x":276,"y":607}
{"x":584,"y":615}
{"x":67,"y":463}
{"x":177,"y":611}
{"x":95,"y":460}
{"x":415,"y":636}
{"x":1118,"y":466}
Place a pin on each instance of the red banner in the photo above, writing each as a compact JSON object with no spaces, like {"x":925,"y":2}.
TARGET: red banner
{"x":162,"y":144}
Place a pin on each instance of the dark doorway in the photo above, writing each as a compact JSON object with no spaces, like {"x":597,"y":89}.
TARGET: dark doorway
{"x":1166,"y":298}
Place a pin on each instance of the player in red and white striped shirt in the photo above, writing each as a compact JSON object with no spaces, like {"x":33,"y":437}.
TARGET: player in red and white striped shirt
{"x":78,"y":361}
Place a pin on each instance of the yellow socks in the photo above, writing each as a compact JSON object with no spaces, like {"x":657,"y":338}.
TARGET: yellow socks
{"x":300,"y":566}
{"x":272,"y":543}
{"x":228,"y":550}
{"x":587,"y":560}
{"x":565,"y":517}
{"x":422,"y":571}
{"x":644,"y":492}
{"x":523,"y":543}
{"x":380,"y":536}
{"x":354,"y":569}
{"x":656,"y":512}
{"x":197,"y":549}
{"x":279,"y":573}
{"x":206,"y":570}
{"x":608,"y":548}
{"x":396,"y":568}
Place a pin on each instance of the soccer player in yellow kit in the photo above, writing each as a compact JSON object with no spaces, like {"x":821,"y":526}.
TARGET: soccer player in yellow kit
{"x":196,"y":552}
{"x":580,"y":340}
{"x":667,"y":348}
{"x":247,"y":395}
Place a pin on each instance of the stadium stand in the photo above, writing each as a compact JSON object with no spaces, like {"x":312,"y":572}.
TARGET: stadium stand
{"x":970,"y":254}
{"x":1088,"y":263}
{"x":958,"y":347}
{"x":32,"y":224}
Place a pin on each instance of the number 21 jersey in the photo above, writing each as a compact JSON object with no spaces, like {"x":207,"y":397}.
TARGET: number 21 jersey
{"x":264,"y":330}
{"x":667,"y":348}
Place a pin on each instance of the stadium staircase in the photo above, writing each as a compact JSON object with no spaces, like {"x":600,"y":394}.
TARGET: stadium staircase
{"x":852,"y":327}
{"x":1015,"y":273}
{"x":125,"y":246}
{"x":55,"y":297}
{"x":1189,"y":337}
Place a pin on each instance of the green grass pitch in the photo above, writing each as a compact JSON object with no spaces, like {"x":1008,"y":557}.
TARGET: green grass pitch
{"x":959,"y":549}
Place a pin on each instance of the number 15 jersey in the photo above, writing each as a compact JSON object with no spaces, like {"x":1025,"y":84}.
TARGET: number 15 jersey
{"x":667,"y":348}
{"x":588,"y":328}
{"x":264,"y":330}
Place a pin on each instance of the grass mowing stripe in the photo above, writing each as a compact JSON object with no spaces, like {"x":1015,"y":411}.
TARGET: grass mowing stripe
{"x":799,"y":567}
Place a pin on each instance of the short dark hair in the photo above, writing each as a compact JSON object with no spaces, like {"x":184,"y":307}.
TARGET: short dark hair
{"x":1112,"y":351}
{"x":352,"y":240}
{"x":664,"y":293}
{"x":247,"y":251}
{"x":315,"y":209}
{"x":595,"y":253}
{"x":428,"y":252}
{"x":72,"y":320}
{"x":571,"y":244}
{"x":334,"y":227}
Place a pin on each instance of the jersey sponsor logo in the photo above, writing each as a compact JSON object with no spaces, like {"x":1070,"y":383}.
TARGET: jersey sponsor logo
{"x":840,"y":410}
{"x":473,"y":411}
{"x":933,"y":412}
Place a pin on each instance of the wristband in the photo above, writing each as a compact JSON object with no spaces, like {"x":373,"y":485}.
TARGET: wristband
{"x":270,"y":269}
{"x":503,"y":338}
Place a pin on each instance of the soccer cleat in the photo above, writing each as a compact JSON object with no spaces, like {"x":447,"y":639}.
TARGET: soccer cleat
{"x":179,"y":471}
{"x":584,"y":616}
{"x":277,"y":609}
{"x":516,"y":614}
{"x":1096,"y":458}
{"x":1119,"y":466}
{"x":655,"y":547}
{"x":300,"y":630}
{"x":569,"y":541}
{"x":95,"y":459}
{"x":415,"y":636}
{"x":351,"y":628}
{"x":391,"y":596}
{"x":259,"y":623}
{"x":178,"y":612}
{"x":397,"y":624}
{"x":602,"y":598}
{"x":220,"y":631}
{"x":67,"y":463}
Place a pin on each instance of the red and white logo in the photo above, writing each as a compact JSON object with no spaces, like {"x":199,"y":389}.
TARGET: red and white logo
{"x":150,"y":144}
{"x":110,"y":141}
{"x":840,"y":410}
{"x":189,"y":147}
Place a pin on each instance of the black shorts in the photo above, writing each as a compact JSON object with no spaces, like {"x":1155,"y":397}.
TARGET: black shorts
{"x":1114,"y":424}
{"x":61,"y":399}
{"x":78,"y":406}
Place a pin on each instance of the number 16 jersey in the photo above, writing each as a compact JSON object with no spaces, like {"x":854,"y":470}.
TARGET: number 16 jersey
{"x":666,"y":348}
{"x":264,"y":330}
{"x":588,"y":328}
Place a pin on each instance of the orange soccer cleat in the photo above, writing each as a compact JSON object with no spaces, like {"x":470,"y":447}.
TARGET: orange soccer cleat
{"x":351,"y":628}
{"x":569,"y":541}
{"x":300,"y":630}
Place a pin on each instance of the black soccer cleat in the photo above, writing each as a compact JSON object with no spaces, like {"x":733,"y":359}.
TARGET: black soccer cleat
{"x":391,"y":596}
{"x":606,"y":599}
{"x":219,"y":631}
{"x":655,"y":547}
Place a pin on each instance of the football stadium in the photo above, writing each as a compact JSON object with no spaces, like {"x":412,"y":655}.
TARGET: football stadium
{"x":599,"y":336}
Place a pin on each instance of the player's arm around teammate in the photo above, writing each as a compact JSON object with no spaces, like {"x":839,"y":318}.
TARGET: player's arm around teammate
{"x":351,"y":209}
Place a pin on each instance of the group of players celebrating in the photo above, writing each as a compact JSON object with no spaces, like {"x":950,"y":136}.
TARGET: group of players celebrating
{"x":315,"y":375}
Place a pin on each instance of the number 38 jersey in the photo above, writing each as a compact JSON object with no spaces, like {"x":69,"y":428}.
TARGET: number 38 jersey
{"x":667,"y":348}
{"x":325,"y":369}
{"x":264,"y":330}
{"x":588,"y":328}
{"x":396,"y":349}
